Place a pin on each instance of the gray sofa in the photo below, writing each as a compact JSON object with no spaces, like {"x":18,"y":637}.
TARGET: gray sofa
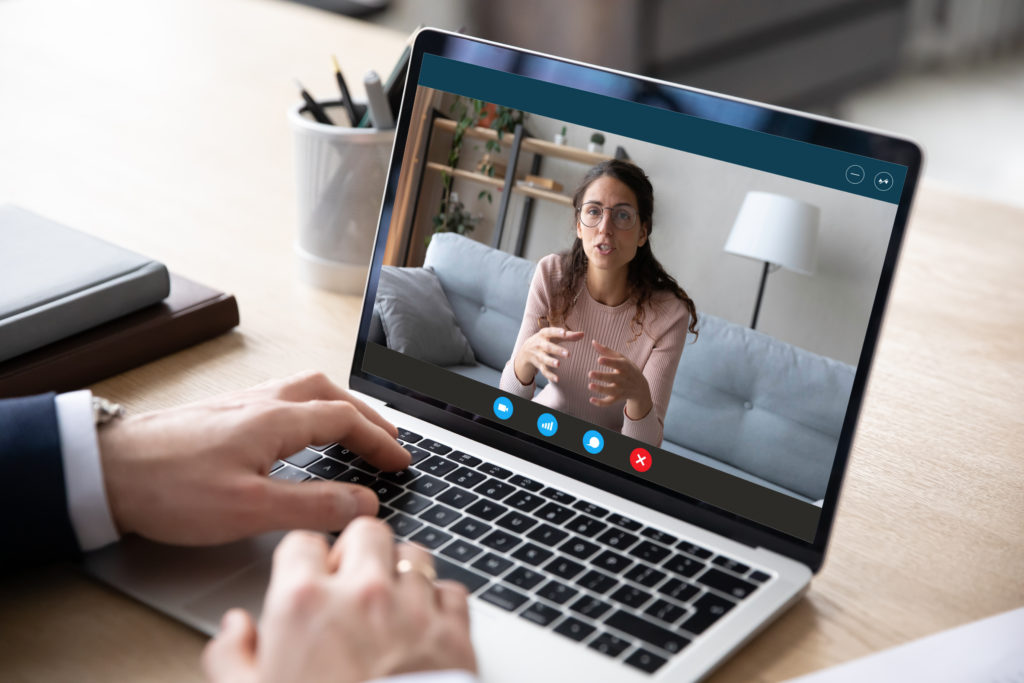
{"x":742,"y":402}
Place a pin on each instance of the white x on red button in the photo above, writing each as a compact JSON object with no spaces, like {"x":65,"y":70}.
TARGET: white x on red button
{"x":640,"y":459}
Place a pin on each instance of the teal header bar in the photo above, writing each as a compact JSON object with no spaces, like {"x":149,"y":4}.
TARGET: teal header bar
{"x":795,"y":159}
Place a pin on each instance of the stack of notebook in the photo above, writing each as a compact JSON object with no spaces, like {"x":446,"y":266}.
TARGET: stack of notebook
{"x":75,"y":309}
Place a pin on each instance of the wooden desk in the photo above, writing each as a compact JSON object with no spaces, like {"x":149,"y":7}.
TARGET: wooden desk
{"x":161,"y":126}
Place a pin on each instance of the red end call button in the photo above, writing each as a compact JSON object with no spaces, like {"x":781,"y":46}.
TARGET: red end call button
{"x":640,"y":459}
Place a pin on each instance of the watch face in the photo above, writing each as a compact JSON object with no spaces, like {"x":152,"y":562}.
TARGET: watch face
{"x":104,"y":411}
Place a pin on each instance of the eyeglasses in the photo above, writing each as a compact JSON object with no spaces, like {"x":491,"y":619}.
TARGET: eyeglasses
{"x":623,"y":217}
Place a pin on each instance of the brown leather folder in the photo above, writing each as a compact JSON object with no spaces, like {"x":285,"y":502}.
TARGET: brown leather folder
{"x":191,"y":313}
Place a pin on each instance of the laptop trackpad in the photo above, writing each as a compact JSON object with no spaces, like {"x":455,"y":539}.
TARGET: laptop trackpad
{"x":244,"y":590}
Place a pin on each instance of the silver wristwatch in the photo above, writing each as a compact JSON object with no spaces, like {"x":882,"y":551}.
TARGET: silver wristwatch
{"x":104,"y":411}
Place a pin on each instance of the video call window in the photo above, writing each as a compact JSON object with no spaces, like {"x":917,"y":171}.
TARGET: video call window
{"x":619,"y":285}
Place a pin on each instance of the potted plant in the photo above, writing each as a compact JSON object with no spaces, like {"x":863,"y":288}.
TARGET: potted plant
{"x":560,"y":138}
{"x":596,"y":144}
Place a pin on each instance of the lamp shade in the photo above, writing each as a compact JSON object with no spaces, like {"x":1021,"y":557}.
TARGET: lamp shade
{"x":778,"y":230}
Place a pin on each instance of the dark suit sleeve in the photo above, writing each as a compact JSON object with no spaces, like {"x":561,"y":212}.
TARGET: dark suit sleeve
{"x":33,"y":504}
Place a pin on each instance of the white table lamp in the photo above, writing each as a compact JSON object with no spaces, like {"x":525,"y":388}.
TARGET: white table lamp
{"x":778,"y":230}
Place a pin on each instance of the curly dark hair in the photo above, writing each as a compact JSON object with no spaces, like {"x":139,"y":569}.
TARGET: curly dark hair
{"x":646,"y":276}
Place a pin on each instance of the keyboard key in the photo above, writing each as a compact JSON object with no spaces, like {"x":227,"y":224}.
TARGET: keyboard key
{"x":684,"y":565}
{"x":430,"y":538}
{"x":532,"y":554}
{"x":658,"y":535}
{"x":650,"y":552}
{"x":385,"y":490}
{"x":403,"y":525}
{"x":276,"y":465}
{"x":630,"y":596}
{"x":727,"y":583}
{"x":625,"y":522}
{"x":320,"y":447}
{"x":427,"y":485}
{"x":579,"y":548}
{"x":554,"y":513}
{"x":492,"y":564}
{"x":679,"y":590}
{"x":563,"y":567}
{"x":557,"y":592}
{"x":722,"y":561}
{"x":666,"y":611}
{"x":470,"y":528}
{"x":645,"y":576}
{"x":460,"y":550}
{"x":354,"y":476}
{"x":645,"y":661}
{"x":524,"y":578}
{"x":517,"y":522}
{"x":465,"y":477}
{"x":590,"y":607}
{"x":574,"y":628}
{"x":303,"y":458}
{"x":486,"y":509}
{"x":434,"y":446}
{"x":526,"y":483}
{"x":503,"y":597}
{"x":411,"y":503}
{"x":540,"y":614}
{"x":585,"y":525}
{"x":401,"y":477}
{"x":596,"y":582}
{"x":465,"y":458}
{"x":694,"y":549}
{"x":407,"y":436}
{"x":709,"y":609}
{"x":416,"y":454}
{"x":657,"y":636}
{"x":494,"y":470}
{"x":618,"y":539}
{"x":438,"y":466}
{"x":365,"y":466}
{"x":289,"y":474}
{"x":494,"y":489}
{"x":440,"y":515}
{"x":589,"y":508}
{"x":457,"y":497}
{"x":327,"y":468}
{"x":611,"y":562}
{"x":610,"y":645}
{"x":521,"y":500}
{"x":547,"y":534}
{"x":453,"y":572}
{"x":557,"y":495}
{"x":339,"y":452}
{"x":759,"y":576}
{"x":383,"y":511}
{"x":500,"y":541}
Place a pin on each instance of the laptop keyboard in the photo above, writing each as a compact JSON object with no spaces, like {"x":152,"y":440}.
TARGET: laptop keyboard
{"x":632,"y":592}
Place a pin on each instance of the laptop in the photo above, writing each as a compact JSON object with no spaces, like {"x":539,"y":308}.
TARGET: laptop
{"x":595,"y":549}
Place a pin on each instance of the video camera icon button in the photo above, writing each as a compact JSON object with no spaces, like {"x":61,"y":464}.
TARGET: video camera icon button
{"x":883,"y":181}
{"x":547,"y":425}
{"x":502,"y":408}
{"x":593,"y":442}
{"x":640,"y":459}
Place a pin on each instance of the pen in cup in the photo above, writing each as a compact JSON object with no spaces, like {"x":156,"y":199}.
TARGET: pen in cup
{"x":345,"y":96}
{"x":377,"y":102}
{"x":318,"y":113}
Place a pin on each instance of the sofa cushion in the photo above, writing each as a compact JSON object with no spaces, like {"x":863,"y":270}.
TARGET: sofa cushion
{"x":422,"y":326}
{"x":759,"y":404}
{"x":487,"y":290}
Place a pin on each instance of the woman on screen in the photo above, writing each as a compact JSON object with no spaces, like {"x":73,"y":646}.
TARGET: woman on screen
{"x":604,"y":323}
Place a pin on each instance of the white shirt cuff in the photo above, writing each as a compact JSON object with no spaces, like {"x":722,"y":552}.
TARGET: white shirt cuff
{"x":83,"y":472}
{"x":448,"y":676}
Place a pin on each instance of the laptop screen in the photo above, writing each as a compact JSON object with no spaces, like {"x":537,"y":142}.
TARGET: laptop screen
{"x":673,"y":287}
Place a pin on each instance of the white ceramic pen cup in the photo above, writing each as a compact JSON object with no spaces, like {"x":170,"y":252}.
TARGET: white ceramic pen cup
{"x":340,"y":172}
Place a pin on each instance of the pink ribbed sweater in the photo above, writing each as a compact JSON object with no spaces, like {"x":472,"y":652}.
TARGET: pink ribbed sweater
{"x":655,"y":351}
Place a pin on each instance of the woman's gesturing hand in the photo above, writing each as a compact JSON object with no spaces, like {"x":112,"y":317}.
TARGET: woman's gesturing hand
{"x":362,"y":609}
{"x":541,"y":352}
{"x":624,"y":381}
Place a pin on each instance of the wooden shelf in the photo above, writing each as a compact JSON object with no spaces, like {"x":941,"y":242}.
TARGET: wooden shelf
{"x":477,"y":132}
{"x":550,"y":149}
{"x":538,"y":193}
{"x":467,"y":175}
